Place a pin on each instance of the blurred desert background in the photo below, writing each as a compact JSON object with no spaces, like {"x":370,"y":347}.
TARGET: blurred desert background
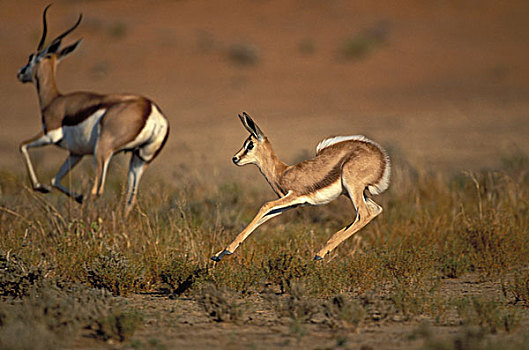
{"x":443,"y":85}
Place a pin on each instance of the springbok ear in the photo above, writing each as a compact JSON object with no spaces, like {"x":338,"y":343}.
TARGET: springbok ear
{"x":68,"y":49}
{"x":250,"y":125}
{"x":245,"y":124}
{"x":51,"y":48}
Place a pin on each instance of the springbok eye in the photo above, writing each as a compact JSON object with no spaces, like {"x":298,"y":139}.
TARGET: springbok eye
{"x":250,"y":146}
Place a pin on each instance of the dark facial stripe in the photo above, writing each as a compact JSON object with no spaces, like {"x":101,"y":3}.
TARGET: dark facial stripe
{"x":244,"y":147}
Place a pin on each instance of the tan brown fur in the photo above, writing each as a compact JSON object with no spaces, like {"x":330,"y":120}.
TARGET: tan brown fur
{"x":90,"y":123}
{"x":348,"y":167}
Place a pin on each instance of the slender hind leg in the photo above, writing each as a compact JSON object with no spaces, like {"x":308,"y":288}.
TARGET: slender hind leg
{"x":68,"y":165}
{"x":366,"y":210}
{"x":374,"y":208}
{"x":136,"y":169}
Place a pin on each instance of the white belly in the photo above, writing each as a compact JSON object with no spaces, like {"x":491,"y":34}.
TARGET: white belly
{"x":325,"y":195}
{"x":81,"y":139}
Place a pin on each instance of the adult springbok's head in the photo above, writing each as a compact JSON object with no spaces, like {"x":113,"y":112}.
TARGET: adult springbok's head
{"x":88,"y":123}
{"x":45,"y":58}
{"x":255,"y":148}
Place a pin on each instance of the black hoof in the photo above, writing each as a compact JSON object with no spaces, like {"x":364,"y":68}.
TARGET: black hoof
{"x":42,"y":188}
{"x":318,"y":258}
{"x":79,"y":199}
{"x":218,"y":257}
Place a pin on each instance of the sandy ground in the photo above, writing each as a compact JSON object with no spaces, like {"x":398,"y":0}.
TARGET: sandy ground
{"x":447,"y":89}
{"x":181,"y":323}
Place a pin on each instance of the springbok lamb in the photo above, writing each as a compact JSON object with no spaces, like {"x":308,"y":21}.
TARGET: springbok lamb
{"x":90,"y":123}
{"x":349,"y":165}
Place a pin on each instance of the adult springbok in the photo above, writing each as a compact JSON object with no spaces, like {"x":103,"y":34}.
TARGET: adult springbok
{"x":90,"y":123}
{"x":349,"y":165}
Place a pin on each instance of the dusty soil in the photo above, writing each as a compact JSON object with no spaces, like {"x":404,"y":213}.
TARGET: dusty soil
{"x":446,"y":88}
{"x":181,"y":323}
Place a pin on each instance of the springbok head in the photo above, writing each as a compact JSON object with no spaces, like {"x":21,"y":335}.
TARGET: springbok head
{"x":48,"y":55}
{"x":255,"y":148}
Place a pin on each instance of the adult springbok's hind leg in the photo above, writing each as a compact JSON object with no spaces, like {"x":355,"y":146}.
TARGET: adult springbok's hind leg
{"x":366,"y":210}
{"x":68,"y":165}
{"x":136,"y":169}
{"x":267,"y":211}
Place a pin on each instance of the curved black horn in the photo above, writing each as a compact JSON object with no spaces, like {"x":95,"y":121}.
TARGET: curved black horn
{"x":69,"y":30}
{"x":44,"y":28}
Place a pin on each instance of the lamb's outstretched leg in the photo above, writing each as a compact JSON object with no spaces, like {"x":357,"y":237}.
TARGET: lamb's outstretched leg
{"x":267,"y":211}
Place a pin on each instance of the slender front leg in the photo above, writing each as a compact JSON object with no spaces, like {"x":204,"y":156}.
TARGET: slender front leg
{"x":267,"y":211}
{"x":68,"y":165}
{"x":38,"y":141}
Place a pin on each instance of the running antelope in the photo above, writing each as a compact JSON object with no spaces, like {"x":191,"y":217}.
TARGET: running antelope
{"x":90,"y":123}
{"x":349,"y":165}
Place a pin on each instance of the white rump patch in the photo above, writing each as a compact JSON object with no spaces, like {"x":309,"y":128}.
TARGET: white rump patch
{"x":337,"y":139}
{"x":150,"y":138}
{"x":383,"y":183}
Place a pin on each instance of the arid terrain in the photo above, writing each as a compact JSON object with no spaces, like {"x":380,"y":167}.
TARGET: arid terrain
{"x":442,"y":85}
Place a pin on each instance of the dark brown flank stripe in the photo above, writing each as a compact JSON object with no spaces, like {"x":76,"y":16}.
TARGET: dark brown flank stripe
{"x":327,"y":181}
{"x":82,"y":115}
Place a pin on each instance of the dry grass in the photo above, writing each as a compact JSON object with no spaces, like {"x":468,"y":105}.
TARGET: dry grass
{"x":432,"y":228}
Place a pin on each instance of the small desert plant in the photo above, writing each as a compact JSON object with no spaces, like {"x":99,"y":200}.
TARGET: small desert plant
{"x":180,"y":274}
{"x":220,"y":304}
{"x":283,"y":269}
{"x":489,"y":315}
{"x":306,"y":47}
{"x":17,"y":279}
{"x":469,"y":338}
{"x":114,"y":272}
{"x":519,"y":287}
{"x":342,"y":312}
{"x":360,"y":45}
{"x":119,"y":324}
{"x":297,"y":305}
{"x":455,"y":262}
{"x":244,"y":54}
{"x":117,"y":30}
{"x":51,"y":315}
